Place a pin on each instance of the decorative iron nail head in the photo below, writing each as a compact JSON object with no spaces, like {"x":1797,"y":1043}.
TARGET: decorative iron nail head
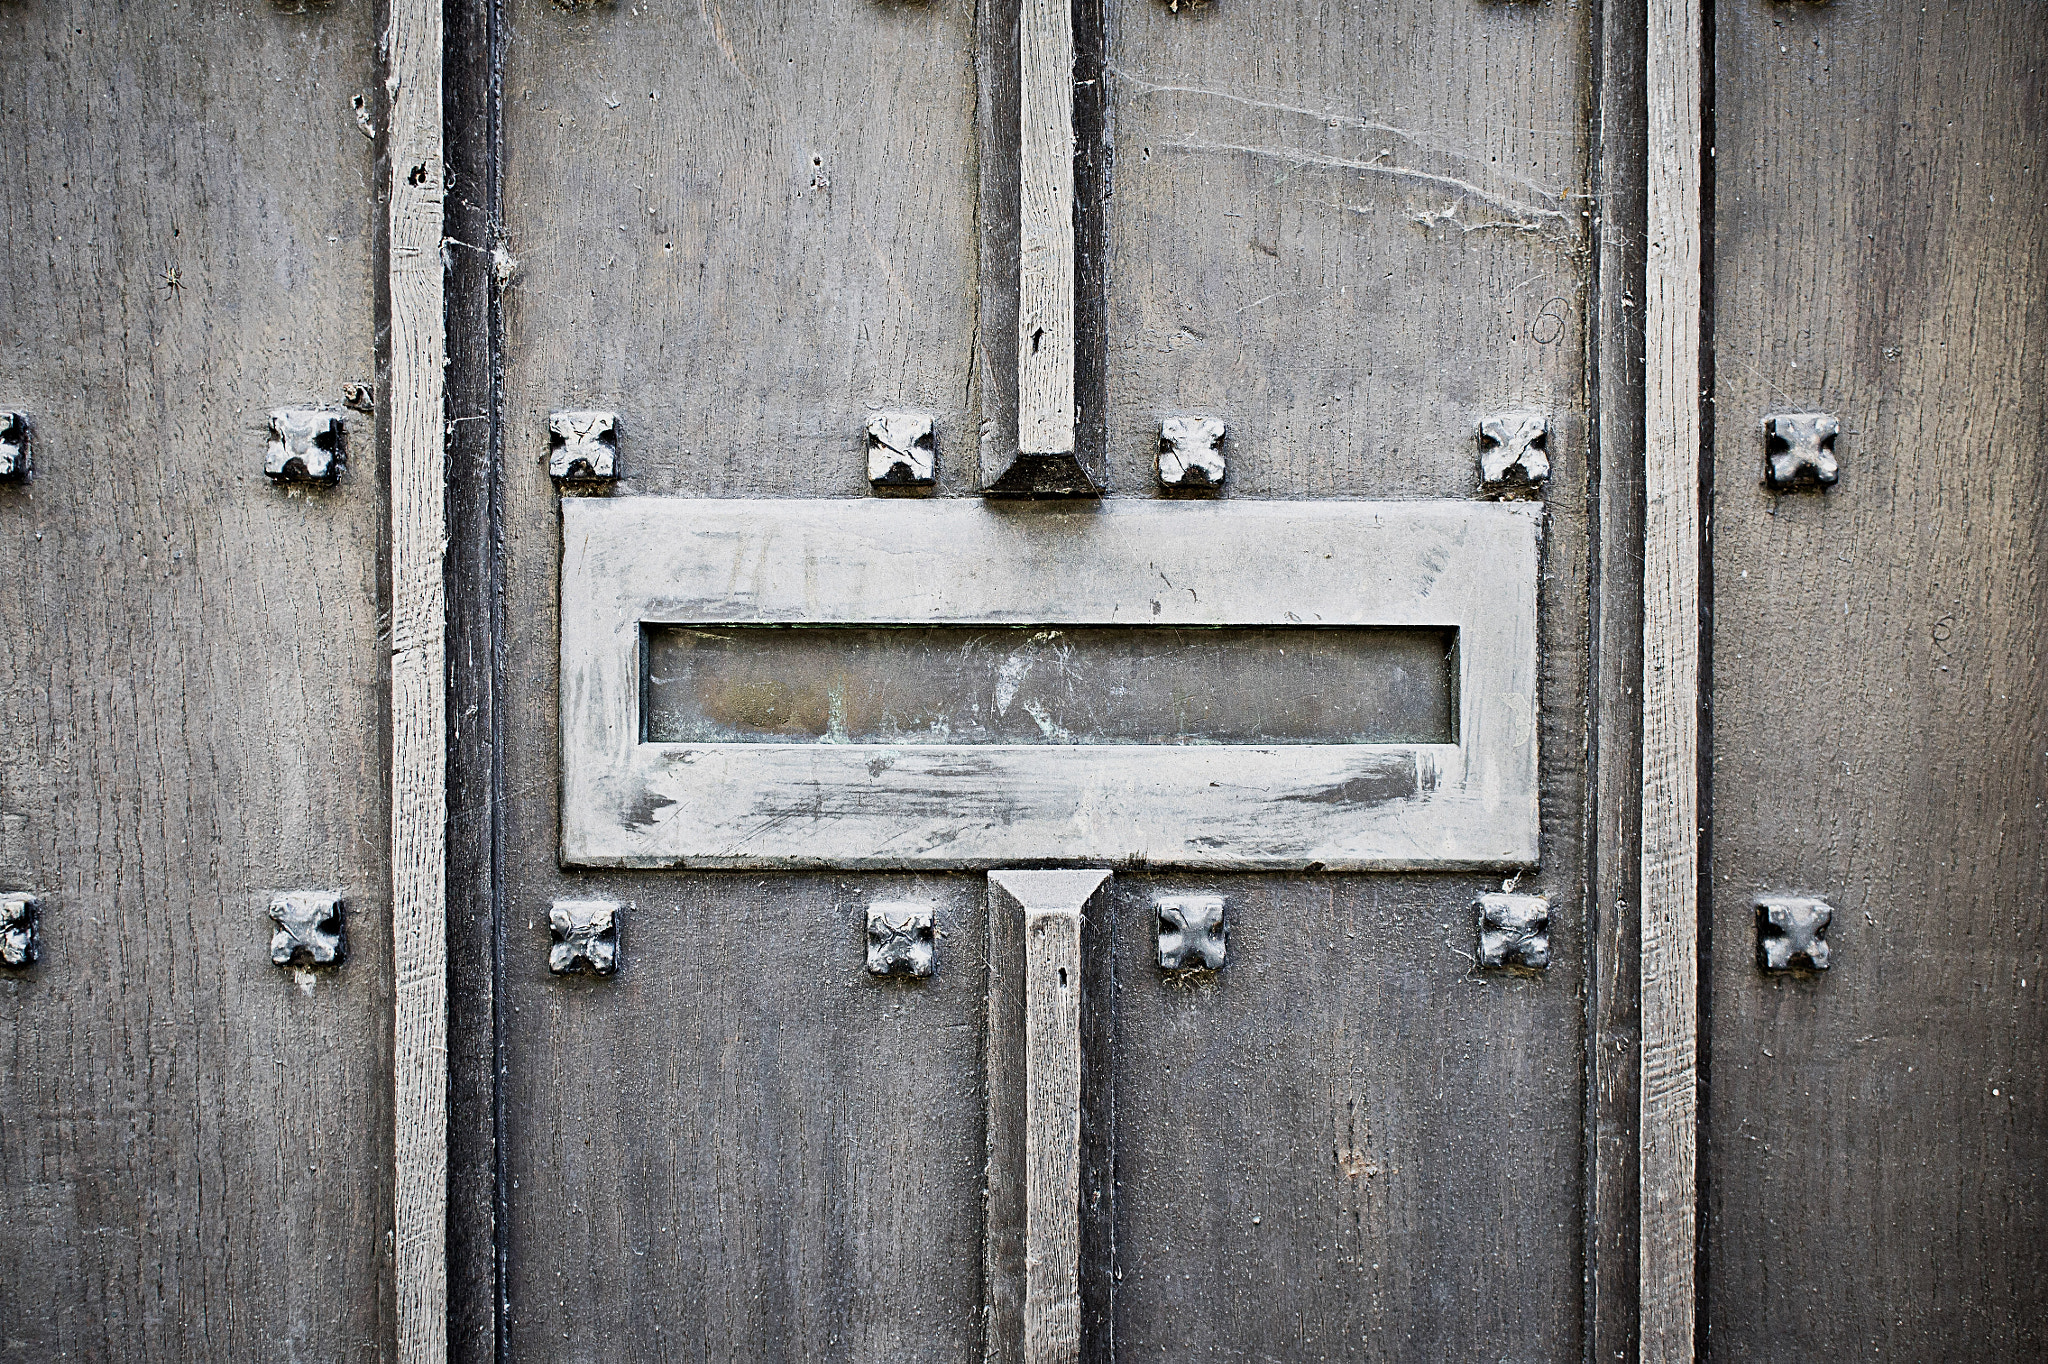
{"x":1791,"y":933}
{"x":306,"y":445}
{"x":1514,"y":449}
{"x":901,"y":453}
{"x":1191,"y":452}
{"x":1514,"y":930}
{"x":586,"y":937}
{"x":308,"y":928}
{"x":1191,"y":932}
{"x":583,"y":447}
{"x":13,"y":444}
{"x":1799,"y":450}
{"x":18,"y":914}
{"x":901,"y":940}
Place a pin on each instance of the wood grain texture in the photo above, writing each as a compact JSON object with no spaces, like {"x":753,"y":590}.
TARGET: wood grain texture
{"x":1045,"y":238}
{"x":416,"y":423}
{"x":1348,"y":233}
{"x":1365,"y":1001}
{"x":1405,"y":1130}
{"x":1615,"y":366}
{"x":1035,"y":1070}
{"x":195,"y":1148}
{"x":770,"y":235}
{"x":476,"y":795}
{"x":1877,"y":1159}
{"x":1052,"y":1135}
{"x":741,"y":1146}
{"x":1668,"y":1098}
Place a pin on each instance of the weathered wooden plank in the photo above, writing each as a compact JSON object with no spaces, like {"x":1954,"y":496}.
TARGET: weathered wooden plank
{"x":1035,"y":1066}
{"x":195,"y":1144}
{"x":476,"y":913}
{"x":1671,"y":663}
{"x":1052,"y":1134}
{"x":1615,"y":365}
{"x":1045,"y":237}
{"x":1350,"y":233}
{"x":416,"y":421}
{"x":794,"y":1145}
{"x":1875,"y":1173}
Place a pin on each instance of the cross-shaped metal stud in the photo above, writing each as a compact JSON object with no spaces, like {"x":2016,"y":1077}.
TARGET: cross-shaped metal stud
{"x":305,"y":445}
{"x":1514,"y":449}
{"x":18,"y":928}
{"x":1791,"y":933}
{"x":1191,"y":452}
{"x":585,"y":937}
{"x":308,"y":928}
{"x":901,"y":940}
{"x":1191,"y":932}
{"x":13,"y":444}
{"x":1514,"y":930}
{"x":583,"y":447}
{"x":900,"y":450}
{"x":1799,"y":449}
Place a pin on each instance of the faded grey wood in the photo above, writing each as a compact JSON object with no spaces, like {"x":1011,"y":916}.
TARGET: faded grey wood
{"x":628,"y":562}
{"x":1045,"y":237}
{"x":1358,"y":995}
{"x":1052,"y":1108}
{"x":1034,"y":1077}
{"x":416,"y":427}
{"x":475,"y":795}
{"x":1669,"y":972}
{"x":1614,"y":814}
{"x":195,"y":1146}
{"x":741,"y":1145}
{"x":1404,"y":1129}
{"x":1876,"y":1159}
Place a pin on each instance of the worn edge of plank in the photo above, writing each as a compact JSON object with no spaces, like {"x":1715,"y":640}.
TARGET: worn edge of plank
{"x":416,"y":419}
{"x":476,"y":924}
{"x":1614,"y":811}
{"x":1669,"y":981}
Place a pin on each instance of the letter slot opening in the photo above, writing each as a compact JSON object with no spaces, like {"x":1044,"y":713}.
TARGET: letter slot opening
{"x":1137,"y":685}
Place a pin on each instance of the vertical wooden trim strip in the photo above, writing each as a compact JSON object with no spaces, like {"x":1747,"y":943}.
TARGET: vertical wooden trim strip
{"x":1668,"y":1228}
{"x":1045,"y":286}
{"x":1036,"y":1061}
{"x":416,"y":420}
{"x":1052,"y":1135}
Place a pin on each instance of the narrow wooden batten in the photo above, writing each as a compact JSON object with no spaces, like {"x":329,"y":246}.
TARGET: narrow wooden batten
{"x":415,"y":421}
{"x":1034,"y":1178}
{"x":1668,"y":1140}
{"x":1045,"y":285}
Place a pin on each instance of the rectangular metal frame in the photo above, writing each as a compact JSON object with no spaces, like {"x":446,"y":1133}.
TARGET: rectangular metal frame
{"x":632,"y":561}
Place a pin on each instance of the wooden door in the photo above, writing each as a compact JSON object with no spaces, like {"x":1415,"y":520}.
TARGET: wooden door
{"x":728,"y":238}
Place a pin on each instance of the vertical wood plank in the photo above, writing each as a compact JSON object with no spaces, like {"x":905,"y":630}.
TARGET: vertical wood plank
{"x":1045,"y":288}
{"x":1668,"y":1100}
{"x":1035,"y":1061}
{"x":1614,"y":835}
{"x":476,"y":633}
{"x":1052,"y":1135}
{"x":419,"y":745}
